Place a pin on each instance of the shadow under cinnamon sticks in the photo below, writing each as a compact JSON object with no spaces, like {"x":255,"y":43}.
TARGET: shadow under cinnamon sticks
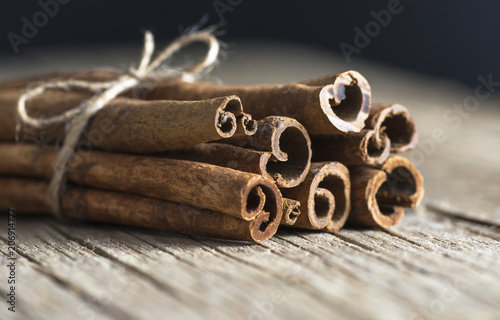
{"x":31,"y":196}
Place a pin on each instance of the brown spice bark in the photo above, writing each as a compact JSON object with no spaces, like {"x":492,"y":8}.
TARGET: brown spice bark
{"x":331,"y":104}
{"x":226,"y":155}
{"x":405,"y":184}
{"x":240,"y":194}
{"x":291,"y":211}
{"x":324,"y":197}
{"x":286,"y":155}
{"x":395,"y":121}
{"x":360,"y":148}
{"x":31,"y":196}
{"x":368,"y":209}
{"x":289,"y":143}
{"x":129,"y":125}
{"x":243,"y":159}
{"x":327,"y":105}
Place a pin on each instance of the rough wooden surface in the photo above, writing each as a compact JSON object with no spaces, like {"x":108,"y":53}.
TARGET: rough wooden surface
{"x":441,"y":262}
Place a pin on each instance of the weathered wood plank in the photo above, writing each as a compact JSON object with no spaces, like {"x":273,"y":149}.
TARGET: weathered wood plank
{"x":478,"y":227}
{"x":348,"y":276}
{"x":44,"y":299}
{"x":116,"y":287}
{"x":421,"y":279}
{"x":408,"y":283}
{"x":201,"y":270}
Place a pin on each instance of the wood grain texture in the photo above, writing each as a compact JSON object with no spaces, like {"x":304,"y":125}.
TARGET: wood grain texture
{"x":441,"y":262}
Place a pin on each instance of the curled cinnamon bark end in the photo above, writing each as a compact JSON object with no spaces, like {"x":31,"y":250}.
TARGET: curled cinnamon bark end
{"x":397,"y":123}
{"x":338,"y":182}
{"x":266,"y":223}
{"x":324,"y":196}
{"x":368,"y":207}
{"x":255,"y":201}
{"x":322,"y":212}
{"x":345,"y":99}
{"x":360,"y":148}
{"x":374,"y":149}
{"x":290,"y":145}
{"x":248,"y":125}
{"x":225,"y":117}
{"x":230,"y":118}
{"x":291,"y":211}
{"x":404,"y":186}
{"x":262,"y":197}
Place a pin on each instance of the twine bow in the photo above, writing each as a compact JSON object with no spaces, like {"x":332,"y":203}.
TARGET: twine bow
{"x":78,"y":117}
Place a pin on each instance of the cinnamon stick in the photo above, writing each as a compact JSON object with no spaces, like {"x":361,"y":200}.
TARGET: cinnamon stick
{"x":404,"y":185}
{"x":327,"y":105}
{"x":289,"y":143}
{"x":331,"y":104}
{"x":396,"y":122}
{"x":285,"y":154}
{"x":324,"y":197}
{"x":243,"y":159}
{"x":360,"y":148}
{"x":368,"y":208}
{"x":31,"y":196}
{"x":129,"y":125}
{"x":240,"y":194}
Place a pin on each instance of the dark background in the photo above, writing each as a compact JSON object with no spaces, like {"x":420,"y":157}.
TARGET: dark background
{"x":455,"y":40}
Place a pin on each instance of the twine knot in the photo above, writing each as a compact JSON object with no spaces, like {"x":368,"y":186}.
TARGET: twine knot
{"x":78,"y":117}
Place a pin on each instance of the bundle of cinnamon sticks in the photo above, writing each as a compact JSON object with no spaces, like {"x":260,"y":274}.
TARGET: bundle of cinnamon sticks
{"x":217,"y":160}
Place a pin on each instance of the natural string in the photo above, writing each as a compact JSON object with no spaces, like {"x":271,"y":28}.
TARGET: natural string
{"x":79,"y":116}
